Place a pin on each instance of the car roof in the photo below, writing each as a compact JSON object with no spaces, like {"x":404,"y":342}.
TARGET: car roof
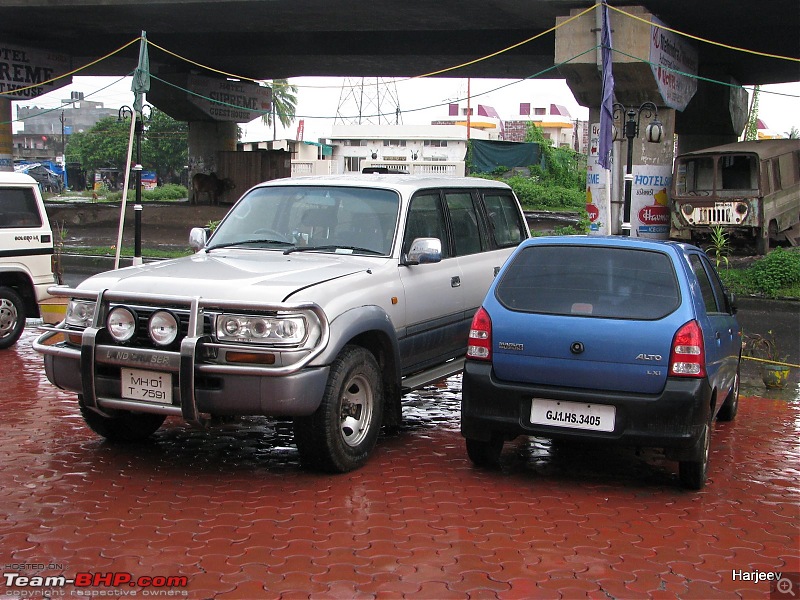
{"x":400,"y":182}
{"x":608,"y":241}
{"x":9,"y":178}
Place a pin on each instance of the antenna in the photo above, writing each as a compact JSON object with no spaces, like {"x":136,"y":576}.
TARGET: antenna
{"x":372,"y":100}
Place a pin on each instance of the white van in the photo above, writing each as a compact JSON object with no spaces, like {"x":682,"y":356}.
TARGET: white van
{"x":26,"y":253}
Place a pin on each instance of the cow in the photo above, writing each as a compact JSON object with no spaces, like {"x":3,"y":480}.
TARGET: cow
{"x":211,"y":185}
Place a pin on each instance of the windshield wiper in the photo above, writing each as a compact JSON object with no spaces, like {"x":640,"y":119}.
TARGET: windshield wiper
{"x":332,"y":247}
{"x":254,"y":241}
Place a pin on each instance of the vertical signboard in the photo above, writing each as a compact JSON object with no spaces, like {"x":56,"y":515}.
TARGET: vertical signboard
{"x":650,"y":201}
{"x":672,"y":55}
{"x":597,"y":205}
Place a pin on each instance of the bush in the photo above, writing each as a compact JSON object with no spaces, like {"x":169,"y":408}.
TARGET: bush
{"x":169,"y":191}
{"x":533,"y":194}
{"x":777,"y":270}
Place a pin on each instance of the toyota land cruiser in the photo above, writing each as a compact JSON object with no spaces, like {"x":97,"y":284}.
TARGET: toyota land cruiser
{"x":321,"y":299}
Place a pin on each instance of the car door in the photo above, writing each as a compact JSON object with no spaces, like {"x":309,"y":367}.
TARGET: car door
{"x":722,"y":334}
{"x":434,"y":300}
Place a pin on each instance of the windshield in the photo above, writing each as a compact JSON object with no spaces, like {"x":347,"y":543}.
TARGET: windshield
{"x":324,"y":218}
{"x":724,"y":175}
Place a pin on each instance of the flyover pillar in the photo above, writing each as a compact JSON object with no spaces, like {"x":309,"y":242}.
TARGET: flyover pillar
{"x":206,"y":138}
{"x":6,"y":136}
{"x":641,"y":46}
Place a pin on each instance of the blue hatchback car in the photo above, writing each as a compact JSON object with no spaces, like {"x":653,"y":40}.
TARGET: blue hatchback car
{"x":610,"y":339}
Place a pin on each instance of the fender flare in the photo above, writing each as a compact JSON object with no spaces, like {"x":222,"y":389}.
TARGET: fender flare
{"x":356,"y":322}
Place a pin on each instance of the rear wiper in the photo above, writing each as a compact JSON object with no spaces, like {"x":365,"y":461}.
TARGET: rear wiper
{"x":254,"y":241}
{"x":331,"y":247}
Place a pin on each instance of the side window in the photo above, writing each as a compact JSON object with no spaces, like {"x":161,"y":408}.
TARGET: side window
{"x":505,"y":223}
{"x":425,"y":220}
{"x":18,"y":208}
{"x":464,"y":219}
{"x":713,"y":297}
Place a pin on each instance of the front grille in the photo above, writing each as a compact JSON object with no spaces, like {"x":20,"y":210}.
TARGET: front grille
{"x":722,"y":213}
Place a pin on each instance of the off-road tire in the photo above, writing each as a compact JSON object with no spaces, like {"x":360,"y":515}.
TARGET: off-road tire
{"x":342,"y":432}
{"x":125,"y":427}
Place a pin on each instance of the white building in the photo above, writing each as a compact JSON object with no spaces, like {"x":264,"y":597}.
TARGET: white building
{"x":439,"y":149}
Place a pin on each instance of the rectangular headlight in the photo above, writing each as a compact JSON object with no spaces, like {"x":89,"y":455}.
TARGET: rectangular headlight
{"x":257,"y":329}
{"x":80,"y":313}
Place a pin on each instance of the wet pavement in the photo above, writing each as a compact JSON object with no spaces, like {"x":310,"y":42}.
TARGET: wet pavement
{"x":231,"y":510}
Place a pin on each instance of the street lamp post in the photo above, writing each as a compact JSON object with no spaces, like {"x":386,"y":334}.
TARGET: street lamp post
{"x":630,"y":130}
{"x":126,"y":112}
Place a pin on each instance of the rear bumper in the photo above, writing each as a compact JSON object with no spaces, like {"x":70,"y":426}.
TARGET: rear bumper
{"x":672,"y":419}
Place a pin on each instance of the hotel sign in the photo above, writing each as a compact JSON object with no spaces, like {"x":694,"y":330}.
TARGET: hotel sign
{"x":28,"y":73}
{"x":226,"y":100}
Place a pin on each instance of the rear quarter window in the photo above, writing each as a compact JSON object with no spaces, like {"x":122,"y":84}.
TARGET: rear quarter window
{"x":590,"y":281}
{"x":18,"y":208}
{"x":505,"y":224}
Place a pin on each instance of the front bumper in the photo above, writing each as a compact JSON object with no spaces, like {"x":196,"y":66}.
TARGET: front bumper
{"x":199,"y":386}
{"x":673,"y":419}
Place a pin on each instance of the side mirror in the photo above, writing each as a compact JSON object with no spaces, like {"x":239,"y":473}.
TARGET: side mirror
{"x":732,"y":304}
{"x":198,"y":236}
{"x":424,"y":251}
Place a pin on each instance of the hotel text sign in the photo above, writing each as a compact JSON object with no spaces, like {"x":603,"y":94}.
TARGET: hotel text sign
{"x":226,"y":100}
{"x":27,"y":73}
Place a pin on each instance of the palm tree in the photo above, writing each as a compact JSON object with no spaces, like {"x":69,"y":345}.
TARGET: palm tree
{"x":284,"y":103}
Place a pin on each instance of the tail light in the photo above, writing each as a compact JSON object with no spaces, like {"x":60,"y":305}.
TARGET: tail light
{"x":687,"y":357}
{"x":480,"y":336}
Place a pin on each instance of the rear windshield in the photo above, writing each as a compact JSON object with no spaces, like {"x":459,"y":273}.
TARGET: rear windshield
{"x":617,"y":283}
{"x":18,"y":208}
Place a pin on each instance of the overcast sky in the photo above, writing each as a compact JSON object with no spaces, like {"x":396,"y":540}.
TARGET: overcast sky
{"x":319,"y":99}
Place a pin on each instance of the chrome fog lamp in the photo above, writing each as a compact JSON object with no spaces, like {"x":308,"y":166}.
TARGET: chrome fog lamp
{"x":121,"y":323}
{"x":163,"y":327}
{"x":687,"y":209}
{"x":80,"y":313}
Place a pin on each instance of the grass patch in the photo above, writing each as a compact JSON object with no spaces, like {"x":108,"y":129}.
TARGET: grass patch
{"x":126,"y":251}
{"x":776,"y":275}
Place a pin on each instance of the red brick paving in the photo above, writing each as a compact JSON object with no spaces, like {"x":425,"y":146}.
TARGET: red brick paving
{"x":231,"y":509}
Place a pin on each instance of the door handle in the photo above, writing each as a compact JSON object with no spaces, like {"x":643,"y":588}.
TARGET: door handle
{"x":455,"y":281}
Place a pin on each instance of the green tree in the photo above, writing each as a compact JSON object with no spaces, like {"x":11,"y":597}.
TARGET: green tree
{"x":165,"y":147}
{"x":104,"y":145}
{"x":284,"y":105}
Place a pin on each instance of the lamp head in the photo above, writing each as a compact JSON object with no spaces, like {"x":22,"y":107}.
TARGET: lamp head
{"x":654,"y":131}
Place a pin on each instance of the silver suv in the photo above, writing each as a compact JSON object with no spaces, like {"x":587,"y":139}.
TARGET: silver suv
{"x":321,"y":299}
{"x":26,"y":252}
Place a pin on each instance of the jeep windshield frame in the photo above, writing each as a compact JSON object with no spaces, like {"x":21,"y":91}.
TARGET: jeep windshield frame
{"x":359,"y":220}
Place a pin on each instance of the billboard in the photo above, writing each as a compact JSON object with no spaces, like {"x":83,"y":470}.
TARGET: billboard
{"x":28,"y":73}
{"x":229,"y":100}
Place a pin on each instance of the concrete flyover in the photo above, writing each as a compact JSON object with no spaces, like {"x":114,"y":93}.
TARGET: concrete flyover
{"x":284,"y":38}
